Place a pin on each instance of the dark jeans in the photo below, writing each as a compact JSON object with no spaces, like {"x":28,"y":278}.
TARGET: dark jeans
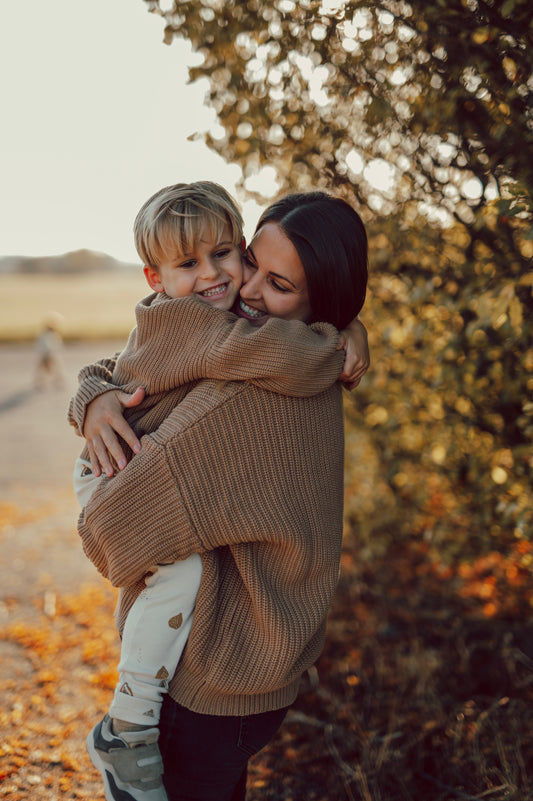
{"x":206,"y":756}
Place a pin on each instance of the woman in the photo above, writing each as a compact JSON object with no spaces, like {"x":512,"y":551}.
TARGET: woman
{"x":252,"y":481}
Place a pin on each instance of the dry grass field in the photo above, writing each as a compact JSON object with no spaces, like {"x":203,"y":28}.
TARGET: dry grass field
{"x":93,"y":306}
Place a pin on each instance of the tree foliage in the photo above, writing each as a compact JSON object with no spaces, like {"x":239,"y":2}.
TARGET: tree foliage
{"x":437,"y":98}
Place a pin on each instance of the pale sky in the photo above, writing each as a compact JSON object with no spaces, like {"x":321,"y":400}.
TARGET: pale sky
{"x":94,"y":117}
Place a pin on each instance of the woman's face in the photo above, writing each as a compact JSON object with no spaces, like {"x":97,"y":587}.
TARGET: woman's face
{"x":274,"y":279}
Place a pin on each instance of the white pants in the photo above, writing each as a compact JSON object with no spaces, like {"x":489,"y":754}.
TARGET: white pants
{"x":156,"y":629}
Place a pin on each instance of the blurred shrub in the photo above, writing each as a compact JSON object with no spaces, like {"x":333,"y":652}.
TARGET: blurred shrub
{"x":421,"y":115}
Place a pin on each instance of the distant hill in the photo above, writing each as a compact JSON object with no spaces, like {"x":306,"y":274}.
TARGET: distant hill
{"x":76,"y":262}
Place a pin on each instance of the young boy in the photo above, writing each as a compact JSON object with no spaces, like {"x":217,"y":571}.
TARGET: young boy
{"x":189,"y":237}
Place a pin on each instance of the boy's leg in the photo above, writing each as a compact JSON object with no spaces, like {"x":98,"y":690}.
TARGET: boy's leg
{"x":124,"y":745}
{"x":130,"y":763}
{"x":154,"y":636}
{"x":85,"y":482}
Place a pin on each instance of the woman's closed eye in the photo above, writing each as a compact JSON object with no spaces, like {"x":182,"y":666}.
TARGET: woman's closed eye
{"x":279,"y":287}
{"x":271,"y":277}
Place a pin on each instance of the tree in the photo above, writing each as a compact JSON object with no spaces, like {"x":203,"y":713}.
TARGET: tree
{"x":437,"y":98}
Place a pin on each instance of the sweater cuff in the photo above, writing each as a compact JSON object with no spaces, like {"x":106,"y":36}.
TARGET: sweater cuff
{"x":125,"y":531}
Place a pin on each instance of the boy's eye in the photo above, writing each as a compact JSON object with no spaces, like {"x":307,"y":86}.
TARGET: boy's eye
{"x":221,"y":254}
{"x":187,"y":265}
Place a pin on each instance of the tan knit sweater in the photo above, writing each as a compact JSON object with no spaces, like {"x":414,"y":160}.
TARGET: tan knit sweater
{"x":178,"y":341}
{"x":252,"y":480}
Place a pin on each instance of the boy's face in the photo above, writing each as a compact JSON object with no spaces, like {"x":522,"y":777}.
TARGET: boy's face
{"x":212,"y":272}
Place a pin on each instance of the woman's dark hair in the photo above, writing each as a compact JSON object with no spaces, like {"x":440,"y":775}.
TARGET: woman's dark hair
{"x":331,"y":242}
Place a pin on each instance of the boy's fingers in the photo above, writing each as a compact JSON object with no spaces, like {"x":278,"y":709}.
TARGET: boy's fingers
{"x":353,"y":378}
{"x":342,"y":341}
{"x":131,"y":400}
{"x":103,"y":453}
{"x":105,"y":424}
{"x":99,"y":457}
{"x":123,"y":429}
{"x":113,"y":448}
{"x":95,"y":464}
{"x":119,"y":425}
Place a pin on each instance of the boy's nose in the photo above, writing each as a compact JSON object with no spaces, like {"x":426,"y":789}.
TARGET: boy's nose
{"x":210,"y":270}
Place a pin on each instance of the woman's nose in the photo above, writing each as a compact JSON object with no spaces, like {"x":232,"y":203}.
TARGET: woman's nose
{"x":251,"y":283}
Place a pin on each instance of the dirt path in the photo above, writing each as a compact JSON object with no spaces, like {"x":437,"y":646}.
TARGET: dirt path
{"x":53,"y":674}
{"x":38,"y":511}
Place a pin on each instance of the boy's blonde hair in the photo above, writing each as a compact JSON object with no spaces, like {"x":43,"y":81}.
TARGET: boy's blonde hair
{"x":175,"y":218}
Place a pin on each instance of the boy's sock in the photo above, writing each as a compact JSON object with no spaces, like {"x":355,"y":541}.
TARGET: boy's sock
{"x":118,"y":726}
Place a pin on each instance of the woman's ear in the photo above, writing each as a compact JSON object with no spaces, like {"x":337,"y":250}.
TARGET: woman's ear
{"x":153,"y":278}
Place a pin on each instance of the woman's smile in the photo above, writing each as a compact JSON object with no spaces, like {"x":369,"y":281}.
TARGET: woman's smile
{"x":246,"y":311}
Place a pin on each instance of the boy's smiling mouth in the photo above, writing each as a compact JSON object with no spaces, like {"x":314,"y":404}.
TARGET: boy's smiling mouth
{"x":214,"y":291}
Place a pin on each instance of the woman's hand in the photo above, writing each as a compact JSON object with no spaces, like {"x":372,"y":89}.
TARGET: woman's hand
{"x":104,"y":420}
{"x":354,"y":341}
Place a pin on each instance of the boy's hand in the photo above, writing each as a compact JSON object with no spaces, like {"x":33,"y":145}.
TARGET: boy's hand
{"x":104,"y":420}
{"x":354,"y":340}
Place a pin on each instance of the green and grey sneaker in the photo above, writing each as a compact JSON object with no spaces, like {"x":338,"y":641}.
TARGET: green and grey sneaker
{"x":130,"y":763}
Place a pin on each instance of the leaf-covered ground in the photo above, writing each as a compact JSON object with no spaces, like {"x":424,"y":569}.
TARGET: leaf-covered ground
{"x":424,"y":691}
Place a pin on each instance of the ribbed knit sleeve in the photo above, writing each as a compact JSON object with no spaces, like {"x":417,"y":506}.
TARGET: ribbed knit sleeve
{"x":179,"y":341}
{"x":137,"y":519}
{"x":220,"y":470}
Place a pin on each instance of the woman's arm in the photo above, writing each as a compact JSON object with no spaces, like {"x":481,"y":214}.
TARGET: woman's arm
{"x":135,"y":515}
{"x":229,"y":466}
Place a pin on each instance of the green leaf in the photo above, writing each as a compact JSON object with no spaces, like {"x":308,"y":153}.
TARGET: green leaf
{"x":508,"y":8}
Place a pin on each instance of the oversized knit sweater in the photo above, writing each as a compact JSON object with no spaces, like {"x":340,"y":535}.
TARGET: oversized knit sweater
{"x":252,"y":480}
{"x":179,"y":341}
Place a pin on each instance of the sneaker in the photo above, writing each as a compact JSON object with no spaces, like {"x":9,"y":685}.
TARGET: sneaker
{"x":130,"y":763}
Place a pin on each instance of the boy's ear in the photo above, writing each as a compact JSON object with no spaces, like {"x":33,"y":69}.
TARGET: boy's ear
{"x":153,"y":278}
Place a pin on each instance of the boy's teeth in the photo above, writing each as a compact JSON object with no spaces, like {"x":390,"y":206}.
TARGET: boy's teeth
{"x":250,"y":312}
{"x":217,"y":290}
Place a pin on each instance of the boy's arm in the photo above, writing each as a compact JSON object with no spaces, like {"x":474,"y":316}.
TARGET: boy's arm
{"x":178,"y":341}
{"x":354,"y":341}
{"x":181,"y":340}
